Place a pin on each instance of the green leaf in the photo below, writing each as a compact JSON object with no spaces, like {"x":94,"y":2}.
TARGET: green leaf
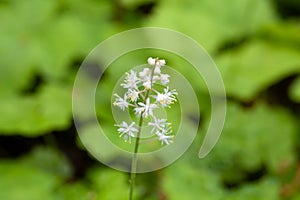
{"x":255,"y":66}
{"x":260,"y":136}
{"x":284,"y":32}
{"x":209,"y":23}
{"x":131,"y":4}
{"x":50,"y":160}
{"x":109,"y":184}
{"x":19,"y":181}
{"x":77,"y":191}
{"x":21,"y":27}
{"x":267,"y":189}
{"x":49,"y":109}
{"x":294,"y":90}
{"x":184,"y":181}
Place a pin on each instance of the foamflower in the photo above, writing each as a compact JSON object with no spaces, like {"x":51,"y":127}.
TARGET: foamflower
{"x":127,"y":131}
{"x":121,"y":102}
{"x":144,"y":99}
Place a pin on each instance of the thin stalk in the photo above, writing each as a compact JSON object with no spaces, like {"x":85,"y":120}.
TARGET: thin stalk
{"x":134,"y":159}
{"x":136,"y":146}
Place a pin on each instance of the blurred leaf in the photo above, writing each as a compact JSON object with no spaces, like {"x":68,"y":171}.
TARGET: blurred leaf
{"x":134,"y":3}
{"x":46,"y":37}
{"x":267,"y":189}
{"x":286,"y":33}
{"x":252,"y":138}
{"x":109,"y":184}
{"x":183,"y":181}
{"x":209,"y":23}
{"x":296,"y":197}
{"x":20,"y":33}
{"x":294,"y":90}
{"x":76,"y":191}
{"x":255,"y":66}
{"x":49,"y":109}
{"x":19,"y":181}
{"x":49,"y":160}
{"x":35,"y":175}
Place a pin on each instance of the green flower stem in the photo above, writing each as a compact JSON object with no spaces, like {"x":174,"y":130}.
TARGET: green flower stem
{"x":134,"y":160}
{"x":136,"y":146}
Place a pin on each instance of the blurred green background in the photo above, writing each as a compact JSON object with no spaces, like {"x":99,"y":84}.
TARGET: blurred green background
{"x":256,"y":45}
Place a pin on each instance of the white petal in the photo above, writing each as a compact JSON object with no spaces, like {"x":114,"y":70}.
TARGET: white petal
{"x":162,"y":62}
{"x":157,"y":70}
{"x":151,"y":61}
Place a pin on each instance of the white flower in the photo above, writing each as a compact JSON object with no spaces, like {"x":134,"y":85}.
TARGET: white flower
{"x":121,"y":102}
{"x":145,"y":74}
{"x":155,"y":62}
{"x":157,"y":70}
{"x":163,"y":135}
{"x":155,"y":78}
{"x":140,"y":100}
{"x":167,"y":139}
{"x":147,"y":85}
{"x":166,"y":98}
{"x":151,"y":61}
{"x":131,"y":80}
{"x":145,"y":109}
{"x":127,"y":130}
{"x":164,"y":79}
{"x":161,"y":63}
{"x":132,"y":94}
{"x":158,"y":124}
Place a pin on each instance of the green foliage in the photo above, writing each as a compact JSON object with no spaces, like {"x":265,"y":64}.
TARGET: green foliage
{"x":265,"y":189}
{"x":256,"y":50}
{"x":105,"y":182}
{"x":34,"y":176}
{"x":271,"y":61}
{"x":44,"y":43}
{"x":184,"y":181}
{"x":19,"y":182}
{"x":209,"y":23}
{"x":249,"y":141}
{"x":294,"y":90}
{"x":76,"y":191}
{"x":32,"y":115}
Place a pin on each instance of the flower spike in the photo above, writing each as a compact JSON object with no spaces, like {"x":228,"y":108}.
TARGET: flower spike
{"x":145,"y":100}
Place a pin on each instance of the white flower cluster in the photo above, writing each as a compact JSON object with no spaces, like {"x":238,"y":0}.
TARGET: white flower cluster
{"x":144,"y":99}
